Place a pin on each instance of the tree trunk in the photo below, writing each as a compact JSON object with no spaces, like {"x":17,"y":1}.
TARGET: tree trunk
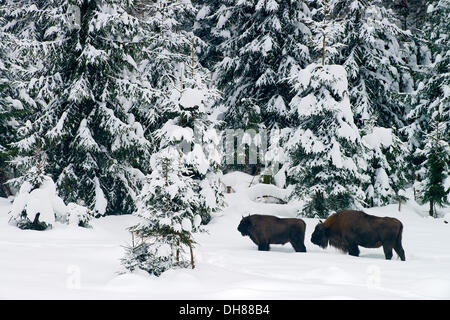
{"x":431,"y":208}
{"x":323,"y":28}
{"x":192,"y":252}
{"x":437,"y":121}
{"x":5,"y":187}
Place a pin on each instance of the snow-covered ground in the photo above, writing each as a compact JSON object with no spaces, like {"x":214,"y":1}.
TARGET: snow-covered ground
{"x":73,"y":263}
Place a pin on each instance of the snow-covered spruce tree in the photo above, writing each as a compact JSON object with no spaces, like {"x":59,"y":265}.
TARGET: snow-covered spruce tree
{"x":431,"y":115}
{"x":326,"y":149}
{"x":89,"y":92}
{"x":7,"y":129}
{"x":189,"y":111}
{"x":186,"y":94}
{"x":363,"y":36}
{"x":387,"y":167}
{"x":166,"y":207}
{"x":9,"y":107}
{"x":37,"y":205}
{"x":434,"y":189}
{"x":243,"y":137}
{"x":253,"y":47}
{"x":33,"y":206}
{"x":410,"y":13}
{"x":433,"y":93}
{"x":183,"y":188}
{"x":14,"y":70}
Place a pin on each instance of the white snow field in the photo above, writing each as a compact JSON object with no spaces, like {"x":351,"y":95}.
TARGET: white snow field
{"x":68,"y":262}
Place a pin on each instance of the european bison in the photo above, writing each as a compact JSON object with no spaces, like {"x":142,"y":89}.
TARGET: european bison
{"x":348,"y":229}
{"x":266,"y":230}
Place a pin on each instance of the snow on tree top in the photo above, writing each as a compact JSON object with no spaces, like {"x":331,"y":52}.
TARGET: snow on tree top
{"x":16,"y":104}
{"x":191,"y":98}
{"x":198,"y":157}
{"x":379,"y":137}
{"x":267,"y":45}
{"x":94,"y":55}
{"x":203,"y":13}
{"x":334,"y":76}
{"x":173,"y":132}
{"x":100,"y":201}
{"x":268,"y":5}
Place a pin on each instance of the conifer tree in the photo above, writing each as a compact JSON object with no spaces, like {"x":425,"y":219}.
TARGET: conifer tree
{"x":363,"y":36}
{"x":185,"y":94}
{"x":387,"y":167}
{"x":326,"y":149}
{"x":434,"y":189}
{"x":37,"y":205}
{"x":12,"y":107}
{"x":88,"y":94}
{"x":430,"y":113}
{"x":166,"y":208}
{"x":9,"y":108}
{"x":253,"y":47}
{"x":183,"y":188}
{"x":437,"y":151}
{"x":410,"y":13}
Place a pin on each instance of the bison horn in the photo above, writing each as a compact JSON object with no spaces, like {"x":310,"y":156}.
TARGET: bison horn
{"x":320,"y":221}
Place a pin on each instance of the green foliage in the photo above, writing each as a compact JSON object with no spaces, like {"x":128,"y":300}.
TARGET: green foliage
{"x":86,"y":95}
{"x":326,"y":149}
{"x":437,"y":168}
{"x":253,"y":47}
{"x":166,"y":206}
{"x":316,"y":207}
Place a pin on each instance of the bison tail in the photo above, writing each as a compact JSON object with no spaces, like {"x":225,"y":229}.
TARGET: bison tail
{"x":398,"y":245}
{"x":399,"y":235}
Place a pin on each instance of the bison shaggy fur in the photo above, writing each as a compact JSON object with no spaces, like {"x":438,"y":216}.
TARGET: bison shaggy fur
{"x":348,"y":229}
{"x":265,"y":230}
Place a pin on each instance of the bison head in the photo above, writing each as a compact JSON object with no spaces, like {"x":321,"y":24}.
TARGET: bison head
{"x":320,"y":236}
{"x":244,"y":226}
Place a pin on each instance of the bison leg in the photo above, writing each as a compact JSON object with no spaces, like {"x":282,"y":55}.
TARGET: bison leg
{"x":298,"y":246}
{"x":399,"y":249}
{"x":353,"y":250}
{"x":263,"y":246}
{"x":298,"y":242}
{"x":387,"y":251}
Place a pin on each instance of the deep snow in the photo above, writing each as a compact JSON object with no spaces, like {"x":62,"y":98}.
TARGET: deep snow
{"x":68,"y":262}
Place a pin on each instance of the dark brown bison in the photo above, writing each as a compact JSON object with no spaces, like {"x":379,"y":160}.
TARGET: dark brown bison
{"x":266,"y":230}
{"x":348,"y":229}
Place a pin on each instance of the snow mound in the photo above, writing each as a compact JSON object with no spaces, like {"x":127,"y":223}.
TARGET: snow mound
{"x":268,"y":193}
{"x":191,"y":98}
{"x":77,"y":215}
{"x":379,"y":137}
{"x":40,"y":208}
{"x":238,"y":180}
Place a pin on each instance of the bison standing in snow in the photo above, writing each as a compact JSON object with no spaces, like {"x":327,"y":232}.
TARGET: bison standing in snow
{"x":348,"y":229}
{"x":266,"y":230}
